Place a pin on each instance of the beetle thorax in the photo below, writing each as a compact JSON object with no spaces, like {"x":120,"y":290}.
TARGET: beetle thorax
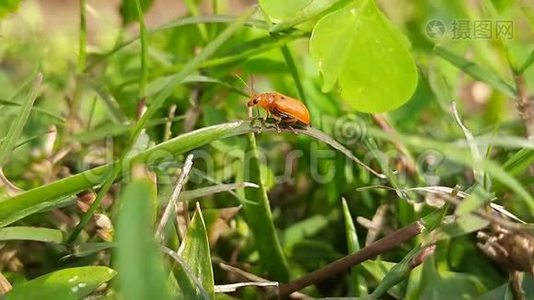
{"x":266,"y":100}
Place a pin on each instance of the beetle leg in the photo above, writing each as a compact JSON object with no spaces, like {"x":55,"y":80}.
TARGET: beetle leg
{"x":291,"y":123}
{"x":277,"y":122}
{"x":277,"y":125}
{"x":262,"y":121}
{"x":292,"y":129}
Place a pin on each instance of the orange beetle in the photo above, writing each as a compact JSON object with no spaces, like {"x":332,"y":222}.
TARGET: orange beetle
{"x":285,"y":110}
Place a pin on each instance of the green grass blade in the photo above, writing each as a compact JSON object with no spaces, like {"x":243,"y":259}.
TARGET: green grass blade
{"x":18,"y":125}
{"x":476,"y":71}
{"x":293,"y":70}
{"x":144,"y":50}
{"x":214,"y":189}
{"x":193,"y":64}
{"x":519,"y":162}
{"x":139,"y":262}
{"x":402,"y":270}
{"x":260,"y":47}
{"x":528,"y":62}
{"x":195,"y":250}
{"x":26,"y":233}
{"x":72,"y":283}
{"x":259,"y":218}
{"x":465,"y":158}
{"x":193,"y":9}
{"x":180,"y":23}
{"x":36,"y":109}
{"x":155,"y":105}
{"x":51,"y":194}
{"x":357,"y":281}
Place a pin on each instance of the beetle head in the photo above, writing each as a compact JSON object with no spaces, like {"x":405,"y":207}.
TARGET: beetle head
{"x":257,"y":100}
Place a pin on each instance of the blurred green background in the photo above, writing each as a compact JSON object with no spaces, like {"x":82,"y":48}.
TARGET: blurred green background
{"x":98,"y":77}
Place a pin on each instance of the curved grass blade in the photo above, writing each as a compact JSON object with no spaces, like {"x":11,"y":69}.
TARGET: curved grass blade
{"x":180,"y":23}
{"x":26,"y":233}
{"x":72,"y":283}
{"x":156,"y":103}
{"x":139,"y":262}
{"x":260,"y":219}
{"x":357,"y":281}
{"x":195,"y":250}
{"x":476,"y":71}
{"x":48,"y":195}
{"x":210,"y":190}
{"x":464,"y":158}
{"x":36,"y":109}
{"x":16,"y":127}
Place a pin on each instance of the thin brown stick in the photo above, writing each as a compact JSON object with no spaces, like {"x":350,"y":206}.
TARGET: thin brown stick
{"x":526,"y":111}
{"x":11,"y":188}
{"x":5,"y":285}
{"x":188,"y":164}
{"x":170,"y":115}
{"x":515,"y":285}
{"x":385,"y":244}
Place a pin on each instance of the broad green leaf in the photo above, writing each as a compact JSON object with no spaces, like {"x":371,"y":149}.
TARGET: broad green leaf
{"x":476,"y":71}
{"x":27,"y":233}
{"x":72,"y":283}
{"x":8,"y":6}
{"x":128,"y":9}
{"x":139,"y":263}
{"x":195,"y":250}
{"x":361,"y":50}
{"x":16,"y":127}
{"x":281,"y":9}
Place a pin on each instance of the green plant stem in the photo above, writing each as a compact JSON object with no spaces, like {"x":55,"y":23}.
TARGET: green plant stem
{"x":82,"y":60}
{"x":144,"y":51}
{"x":82,"y":43}
{"x":193,"y":9}
{"x":294,"y":71}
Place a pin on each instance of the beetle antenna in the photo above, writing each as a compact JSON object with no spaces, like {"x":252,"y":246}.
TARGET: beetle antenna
{"x":251,"y":91}
{"x":252,"y":83}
